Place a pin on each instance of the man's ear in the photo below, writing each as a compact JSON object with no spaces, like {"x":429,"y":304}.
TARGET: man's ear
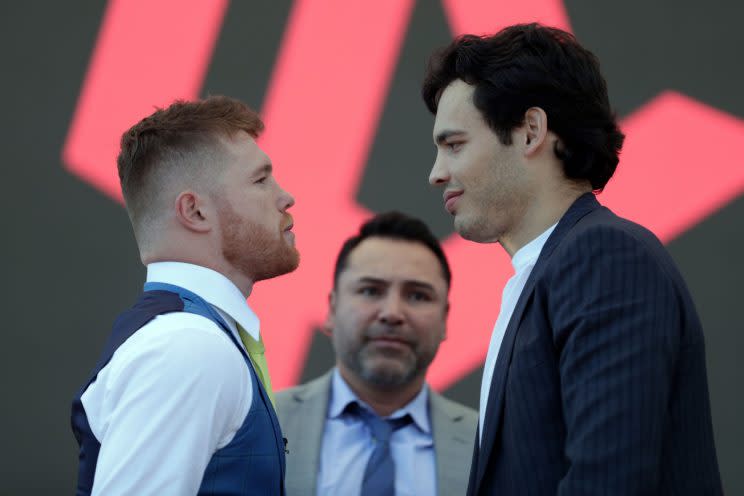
{"x":327,"y":327}
{"x":535,"y":129}
{"x":193,"y":211}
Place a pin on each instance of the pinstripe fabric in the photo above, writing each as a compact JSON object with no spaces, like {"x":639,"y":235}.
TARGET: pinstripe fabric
{"x":600,"y":386}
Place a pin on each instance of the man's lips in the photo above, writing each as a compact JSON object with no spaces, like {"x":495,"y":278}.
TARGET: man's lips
{"x":390,"y":342}
{"x":287,"y":232}
{"x":450,"y":198}
{"x":287,"y":222}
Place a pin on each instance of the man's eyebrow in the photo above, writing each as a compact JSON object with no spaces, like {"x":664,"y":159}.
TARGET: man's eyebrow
{"x":372,"y":280}
{"x":266,"y":168}
{"x":408,"y":282}
{"x":446,"y":134}
{"x":419,"y":284}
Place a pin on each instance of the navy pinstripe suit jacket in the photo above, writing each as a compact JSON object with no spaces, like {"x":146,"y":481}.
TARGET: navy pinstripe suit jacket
{"x":600,"y":385}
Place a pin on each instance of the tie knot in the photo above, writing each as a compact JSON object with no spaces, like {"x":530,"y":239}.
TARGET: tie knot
{"x":380,"y":428}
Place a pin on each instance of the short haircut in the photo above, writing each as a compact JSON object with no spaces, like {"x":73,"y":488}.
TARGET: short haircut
{"x":396,"y":226}
{"x":177,"y":138}
{"x":530,"y":65}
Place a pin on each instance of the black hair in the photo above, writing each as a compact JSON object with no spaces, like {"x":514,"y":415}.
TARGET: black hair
{"x":393,"y":225}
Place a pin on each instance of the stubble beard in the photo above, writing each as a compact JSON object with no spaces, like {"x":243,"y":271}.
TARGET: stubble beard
{"x":369,"y":366}
{"x":479,"y":225}
{"x":477,"y":230}
{"x":493,"y":218}
{"x":253,"y":249}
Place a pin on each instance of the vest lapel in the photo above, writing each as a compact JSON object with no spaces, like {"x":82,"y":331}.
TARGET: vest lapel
{"x":581,"y":207}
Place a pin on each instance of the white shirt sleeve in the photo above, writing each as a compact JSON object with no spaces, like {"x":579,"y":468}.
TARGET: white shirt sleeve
{"x":172,"y":394}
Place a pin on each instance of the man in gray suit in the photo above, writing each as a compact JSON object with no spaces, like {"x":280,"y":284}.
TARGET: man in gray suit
{"x":371,"y":425}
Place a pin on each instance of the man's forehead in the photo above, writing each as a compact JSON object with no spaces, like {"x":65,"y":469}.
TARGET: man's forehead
{"x":243,"y":147}
{"x":241,"y":141}
{"x":393,"y":260}
{"x":455,"y":106}
{"x":456,"y":93}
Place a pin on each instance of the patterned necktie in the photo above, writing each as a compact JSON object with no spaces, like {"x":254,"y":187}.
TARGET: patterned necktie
{"x":256,"y":352}
{"x":379,"y":475}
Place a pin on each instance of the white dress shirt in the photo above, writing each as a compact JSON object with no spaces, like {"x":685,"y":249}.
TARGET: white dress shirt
{"x":523,"y":261}
{"x":173,"y":393}
{"x":347,"y":445}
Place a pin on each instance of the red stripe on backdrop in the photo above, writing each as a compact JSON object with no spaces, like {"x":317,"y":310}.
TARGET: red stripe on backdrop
{"x":148,"y":53}
{"x":681,"y":162}
{"x":324,"y":102}
{"x":484,"y":17}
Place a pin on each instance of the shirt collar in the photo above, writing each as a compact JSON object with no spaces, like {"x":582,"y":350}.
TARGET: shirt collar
{"x":215,"y":288}
{"x":527,"y":255}
{"x":342,"y":395}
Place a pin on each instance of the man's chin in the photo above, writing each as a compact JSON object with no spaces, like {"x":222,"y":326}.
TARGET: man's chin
{"x":294,"y":260}
{"x":387,"y":370}
{"x":290,"y":258}
{"x":387,"y":378}
{"x":288,"y":263}
{"x":473,"y":231}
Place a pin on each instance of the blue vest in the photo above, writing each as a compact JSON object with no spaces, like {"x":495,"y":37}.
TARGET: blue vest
{"x":251,"y":464}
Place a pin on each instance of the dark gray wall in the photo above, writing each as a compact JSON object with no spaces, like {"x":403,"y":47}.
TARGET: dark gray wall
{"x":70,"y":263}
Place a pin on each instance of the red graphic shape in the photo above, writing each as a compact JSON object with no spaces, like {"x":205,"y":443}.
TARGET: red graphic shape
{"x":148,"y":54}
{"x":680,"y":163}
{"x":321,"y":111}
{"x":325,"y":99}
{"x":488,"y":16}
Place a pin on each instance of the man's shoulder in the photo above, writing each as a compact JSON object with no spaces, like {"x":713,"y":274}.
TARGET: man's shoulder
{"x":169,"y":334}
{"x":175,"y":348}
{"x":604,"y":235}
{"x":452,"y":409}
{"x":177,"y":330}
{"x":606,"y":223}
{"x":453,"y":424}
{"x":304,"y":392}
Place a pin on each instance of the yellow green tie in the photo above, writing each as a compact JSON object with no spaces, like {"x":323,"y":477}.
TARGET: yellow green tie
{"x":256,"y":352}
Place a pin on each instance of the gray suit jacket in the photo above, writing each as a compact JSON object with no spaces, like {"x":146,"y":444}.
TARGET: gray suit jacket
{"x":302,"y":413}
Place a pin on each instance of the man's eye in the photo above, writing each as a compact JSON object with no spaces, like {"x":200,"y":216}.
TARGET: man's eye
{"x":454,"y":146}
{"x":261,"y":180}
{"x":368,"y":291}
{"x":419,"y":296}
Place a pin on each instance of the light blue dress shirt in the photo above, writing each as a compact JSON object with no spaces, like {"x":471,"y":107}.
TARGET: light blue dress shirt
{"x":347,"y":445}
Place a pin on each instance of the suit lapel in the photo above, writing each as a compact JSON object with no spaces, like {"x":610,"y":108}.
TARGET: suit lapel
{"x":304,"y":433}
{"x":581,"y":207}
{"x":449,"y":443}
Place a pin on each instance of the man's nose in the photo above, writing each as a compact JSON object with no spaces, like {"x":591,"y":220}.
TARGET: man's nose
{"x":285,"y":199}
{"x":391,"y":312}
{"x":438,"y":175}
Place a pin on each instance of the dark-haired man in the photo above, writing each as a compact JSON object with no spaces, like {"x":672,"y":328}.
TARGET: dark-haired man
{"x":594,"y":381}
{"x":387,"y":316}
{"x":180,"y":401}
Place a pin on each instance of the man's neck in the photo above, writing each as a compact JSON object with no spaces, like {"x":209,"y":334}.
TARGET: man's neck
{"x":546,"y":210}
{"x":243,"y":283}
